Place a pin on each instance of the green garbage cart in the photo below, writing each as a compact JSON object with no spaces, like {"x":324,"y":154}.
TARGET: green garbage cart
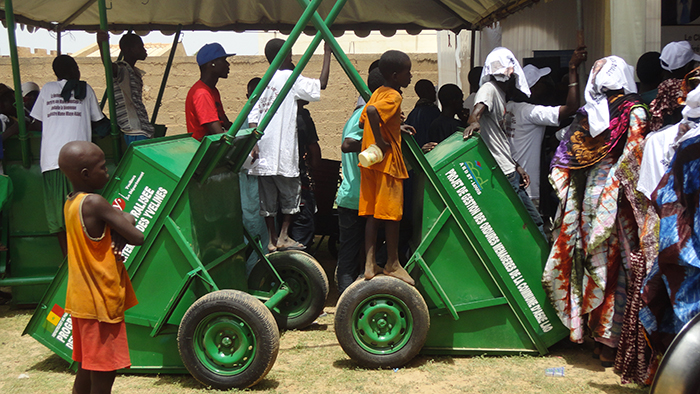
{"x":198,"y":311}
{"x":477,"y":263}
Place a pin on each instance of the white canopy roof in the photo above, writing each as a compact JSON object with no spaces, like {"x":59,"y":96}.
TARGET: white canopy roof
{"x":239,"y":15}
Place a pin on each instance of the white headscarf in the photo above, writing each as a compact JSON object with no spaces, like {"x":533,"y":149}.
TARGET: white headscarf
{"x":692,"y":104}
{"x":502,"y":64}
{"x":608,"y":73}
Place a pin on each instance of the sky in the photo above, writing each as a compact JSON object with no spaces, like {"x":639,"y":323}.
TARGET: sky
{"x":240,"y":43}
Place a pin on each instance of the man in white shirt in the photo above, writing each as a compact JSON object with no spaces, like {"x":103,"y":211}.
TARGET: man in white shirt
{"x":278,"y":158}
{"x":525,"y":121}
{"x":65,"y":110}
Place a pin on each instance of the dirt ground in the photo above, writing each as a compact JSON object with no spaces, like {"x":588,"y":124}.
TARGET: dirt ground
{"x":311,"y":361}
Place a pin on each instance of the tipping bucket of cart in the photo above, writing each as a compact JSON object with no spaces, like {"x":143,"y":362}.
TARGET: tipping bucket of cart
{"x":478,"y":260}
{"x":195,"y":312}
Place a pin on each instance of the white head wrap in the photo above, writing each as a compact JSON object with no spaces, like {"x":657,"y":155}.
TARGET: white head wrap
{"x":692,"y":104}
{"x":502,"y":64}
{"x":608,"y":73}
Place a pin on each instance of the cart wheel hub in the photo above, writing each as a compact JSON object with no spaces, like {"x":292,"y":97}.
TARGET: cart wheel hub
{"x":226,"y":341}
{"x":382,"y":324}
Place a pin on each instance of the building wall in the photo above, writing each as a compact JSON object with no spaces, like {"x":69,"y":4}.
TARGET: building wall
{"x":330,"y":114}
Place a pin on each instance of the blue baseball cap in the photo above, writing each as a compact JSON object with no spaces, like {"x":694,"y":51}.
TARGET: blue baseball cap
{"x":211,"y":52}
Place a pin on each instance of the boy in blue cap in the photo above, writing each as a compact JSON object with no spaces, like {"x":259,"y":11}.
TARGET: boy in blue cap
{"x":204,"y":112}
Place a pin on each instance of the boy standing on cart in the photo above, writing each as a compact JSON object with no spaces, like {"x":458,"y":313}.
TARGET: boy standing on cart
{"x":278,"y":163}
{"x":381,"y":184}
{"x":99,"y":289}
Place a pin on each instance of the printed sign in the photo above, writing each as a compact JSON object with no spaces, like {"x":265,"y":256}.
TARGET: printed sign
{"x":62,"y":326}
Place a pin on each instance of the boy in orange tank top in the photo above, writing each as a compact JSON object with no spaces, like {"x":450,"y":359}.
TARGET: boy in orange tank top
{"x":381,"y":184}
{"x":99,"y":289}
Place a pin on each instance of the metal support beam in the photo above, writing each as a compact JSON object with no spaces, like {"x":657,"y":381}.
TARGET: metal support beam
{"x":164,"y":82}
{"x":19,"y":102}
{"x":107,"y":60}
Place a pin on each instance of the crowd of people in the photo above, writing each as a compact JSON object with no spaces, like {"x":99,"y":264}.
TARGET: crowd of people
{"x":623,"y":265}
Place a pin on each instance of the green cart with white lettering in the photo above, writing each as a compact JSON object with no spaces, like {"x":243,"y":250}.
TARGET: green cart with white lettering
{"x":477,"y":262}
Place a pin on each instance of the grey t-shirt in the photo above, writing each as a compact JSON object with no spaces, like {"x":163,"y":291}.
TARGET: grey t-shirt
{"x":493,"y":125}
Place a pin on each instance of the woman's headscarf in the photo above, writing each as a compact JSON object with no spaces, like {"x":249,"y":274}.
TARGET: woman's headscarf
{"x":502,"y":64}
{"x":608,"y":73}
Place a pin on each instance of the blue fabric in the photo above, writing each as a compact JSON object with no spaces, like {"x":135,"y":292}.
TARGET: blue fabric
{"x":349,"y":190}
{"x":514,"y":178}
{"x":420,"y":118}
{"x":250,"y":207}
{"x":133,"y":138}
{"x":671,"y":292}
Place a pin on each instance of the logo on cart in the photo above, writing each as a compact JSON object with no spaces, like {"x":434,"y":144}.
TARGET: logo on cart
{"x":60,"y":325}
{"x":119,"y":203}
{"x":473,"y":171}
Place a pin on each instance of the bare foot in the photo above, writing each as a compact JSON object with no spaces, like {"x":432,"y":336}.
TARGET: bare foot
{"x":400,"y":273}
{"x":271,"y":248}
{"x":289,"y":244}
{"x":372,"y":270}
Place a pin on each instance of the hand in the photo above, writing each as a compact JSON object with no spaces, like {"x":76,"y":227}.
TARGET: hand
{"x":471,"y":129}
{"x":428,"y":147}
{"x":102,"y":36}
{"x":525,"y":181}
{"x":255,"y":153}
{"x":403,"y":117}
{"x":118,"y":244}
{"x":408,"y":129}
{"x":580,"y":55}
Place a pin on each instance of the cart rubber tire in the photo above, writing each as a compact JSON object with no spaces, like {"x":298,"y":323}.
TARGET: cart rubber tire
{"x":228,"y":339}
{"x":382,"y":322}
{"x":307,"y":280}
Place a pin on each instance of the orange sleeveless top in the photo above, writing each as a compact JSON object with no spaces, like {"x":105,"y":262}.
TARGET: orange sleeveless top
{"x":98,"y":286}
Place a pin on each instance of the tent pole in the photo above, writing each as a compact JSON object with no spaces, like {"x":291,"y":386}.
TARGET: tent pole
{"x":19,"y":102}
{"x":58,"y":41}
{"x":579,"y":23}
{"x":107,"y":60}
{"x":165,"y":75}
{"x":337,"y":51}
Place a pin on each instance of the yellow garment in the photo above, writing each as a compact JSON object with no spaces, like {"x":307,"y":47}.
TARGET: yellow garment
{"x":98,"y":286}
{"x":387,"y":101}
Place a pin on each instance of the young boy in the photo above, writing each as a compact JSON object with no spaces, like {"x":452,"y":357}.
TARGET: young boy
{"x":452,"y":101}
{"x":132,"y":116}
{"x":58,"y":126}
{"x":99,"y":289}
{"x":278,"y":166}
{"x":381,"y":188}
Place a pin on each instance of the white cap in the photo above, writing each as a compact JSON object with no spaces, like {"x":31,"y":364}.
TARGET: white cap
{"x":676,"y":55}
{"x":29,"y":87}
{"x":533,"y":74}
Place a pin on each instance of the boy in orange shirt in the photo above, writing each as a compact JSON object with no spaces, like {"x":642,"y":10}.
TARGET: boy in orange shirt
{"x":99,"y":289}
{"x":381,"y":184}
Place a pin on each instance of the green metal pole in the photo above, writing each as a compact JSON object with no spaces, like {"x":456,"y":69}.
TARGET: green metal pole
{"x":107,"y":60}
{"x":340,"y":56}
{"x":299,"y":67}
{"x":104,"y":96}
{"x":165,"y":75}
{"x":19,"y":103}
{"x":265,"y":80}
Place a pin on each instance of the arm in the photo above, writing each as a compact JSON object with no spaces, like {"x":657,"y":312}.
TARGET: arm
{"x":314,"y":155}
{"x":474,"y":120}
{"x":572,"y":98}
{"x":523,"y":174}
{"x":97,"y":212}
{"x":103,"y":36}
{"x":351,"y":145}
{"x":326,"y":68}
{"x":214,"y":127}
{"x":373,"y":117}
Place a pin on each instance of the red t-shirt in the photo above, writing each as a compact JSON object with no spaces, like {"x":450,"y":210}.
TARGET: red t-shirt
{"x":202,"y":106}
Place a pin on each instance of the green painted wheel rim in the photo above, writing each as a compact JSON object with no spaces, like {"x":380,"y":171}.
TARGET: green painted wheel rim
{"x":299,"y":299}
{"x":224,"y":343}
{"x":382,"y":324}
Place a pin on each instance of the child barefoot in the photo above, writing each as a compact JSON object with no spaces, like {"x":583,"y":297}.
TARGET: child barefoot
{"x":381,"y":184}
{"x":99,"y":289}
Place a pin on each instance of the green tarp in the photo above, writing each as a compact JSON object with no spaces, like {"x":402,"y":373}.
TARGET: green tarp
{"x":358,"y":15}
